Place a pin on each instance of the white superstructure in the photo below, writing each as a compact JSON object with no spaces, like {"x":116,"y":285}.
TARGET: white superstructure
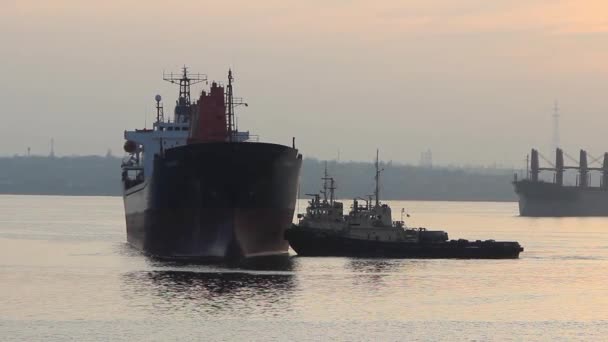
{"x":143,"y":145}
{"x":152,"y":142}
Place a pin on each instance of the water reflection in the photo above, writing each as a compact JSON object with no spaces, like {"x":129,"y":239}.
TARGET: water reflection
{"x":376,"y":274}
{"x":371,"y":272}
{"x":373,"y":265}
{"x":271,"y":263}
{"x":216,"y":292}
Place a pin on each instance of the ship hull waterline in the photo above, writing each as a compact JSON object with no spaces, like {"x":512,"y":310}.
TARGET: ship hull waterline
{"x":215,"y":202}
{"x":542,"y":199}
{"x":307,"y":242}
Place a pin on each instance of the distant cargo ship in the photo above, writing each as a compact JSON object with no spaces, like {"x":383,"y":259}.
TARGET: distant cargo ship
{"x":542,"y":198}
{"x":195,"y":187}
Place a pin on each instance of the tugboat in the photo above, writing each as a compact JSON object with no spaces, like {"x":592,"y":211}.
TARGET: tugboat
{"x":197,"y":188}
{"x":369,"y":231}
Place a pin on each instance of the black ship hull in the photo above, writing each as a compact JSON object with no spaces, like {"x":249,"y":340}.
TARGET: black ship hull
{"x":215,"y":202}
{"x":314,"y":242}
{"x":540,"y":199}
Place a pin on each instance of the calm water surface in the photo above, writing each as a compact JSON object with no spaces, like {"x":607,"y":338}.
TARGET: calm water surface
{"x":66,"y":273}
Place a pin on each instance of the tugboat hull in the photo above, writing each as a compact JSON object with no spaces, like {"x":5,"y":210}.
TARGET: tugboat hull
{"x":215,"y":201}
{"x":312,"y":242}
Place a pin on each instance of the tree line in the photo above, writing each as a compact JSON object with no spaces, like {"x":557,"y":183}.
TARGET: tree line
{"x":97,"y":175}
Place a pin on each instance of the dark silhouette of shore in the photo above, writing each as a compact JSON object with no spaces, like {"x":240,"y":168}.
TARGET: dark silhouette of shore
{"x":100,"y":176}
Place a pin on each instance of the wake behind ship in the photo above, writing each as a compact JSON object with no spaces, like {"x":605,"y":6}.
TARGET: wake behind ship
{"x":552,"y":199}
{"x":197,"y":188}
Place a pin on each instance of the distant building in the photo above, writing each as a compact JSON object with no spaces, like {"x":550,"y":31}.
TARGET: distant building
{"x":426,"y":159}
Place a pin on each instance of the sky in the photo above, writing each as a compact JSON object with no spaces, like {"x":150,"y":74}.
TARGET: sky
{"x":474,"y":81}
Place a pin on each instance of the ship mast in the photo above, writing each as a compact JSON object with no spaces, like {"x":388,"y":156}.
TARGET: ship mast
{"x":378,"y":171}
{"x":331,"y":187}
{"x":325,"y":178}
{"x":230,"y":99}
{"x":231,"y":103}
{"x":159,"y":109}
{"x":185,"y":81}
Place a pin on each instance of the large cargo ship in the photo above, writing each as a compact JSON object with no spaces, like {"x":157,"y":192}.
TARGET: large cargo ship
{"x":197,"y":188}
{"x":539,"y":197}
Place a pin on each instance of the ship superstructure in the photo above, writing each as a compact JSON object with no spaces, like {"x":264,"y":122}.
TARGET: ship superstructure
{"x":326,"y":213}
{"x":197,"y":187}
{"x":210,"y":119}
{"x":538,"y":197}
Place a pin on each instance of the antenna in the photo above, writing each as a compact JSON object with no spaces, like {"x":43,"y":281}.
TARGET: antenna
{"x":378,"y":171}
{"x":232,"y":102}
{"x":185,"y":80}
{"x":556,"y":142}
{"x":229,"y":99}
{"x":331,"y":187}
{"x":159,"y":109}
{"x":325,"y":179}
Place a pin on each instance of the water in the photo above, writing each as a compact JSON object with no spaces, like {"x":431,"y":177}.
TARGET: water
{"x":66,"y":273}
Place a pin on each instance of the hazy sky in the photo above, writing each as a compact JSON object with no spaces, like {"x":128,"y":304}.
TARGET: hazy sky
{"x":473,"y":80}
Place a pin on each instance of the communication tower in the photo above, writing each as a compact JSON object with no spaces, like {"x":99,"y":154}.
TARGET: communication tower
{"x":556,"y":142}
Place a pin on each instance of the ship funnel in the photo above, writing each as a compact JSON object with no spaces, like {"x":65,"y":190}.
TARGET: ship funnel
{"x":209,"y":117}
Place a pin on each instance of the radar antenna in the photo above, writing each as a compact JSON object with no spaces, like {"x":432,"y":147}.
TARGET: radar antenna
{"x":183,"y":108}
{"x":185,"y":80}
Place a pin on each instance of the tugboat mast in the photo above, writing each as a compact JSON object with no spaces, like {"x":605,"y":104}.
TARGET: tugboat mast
{"x":325,"y":179}
{"x":331,"y":187}
{"x":378,"y":171}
